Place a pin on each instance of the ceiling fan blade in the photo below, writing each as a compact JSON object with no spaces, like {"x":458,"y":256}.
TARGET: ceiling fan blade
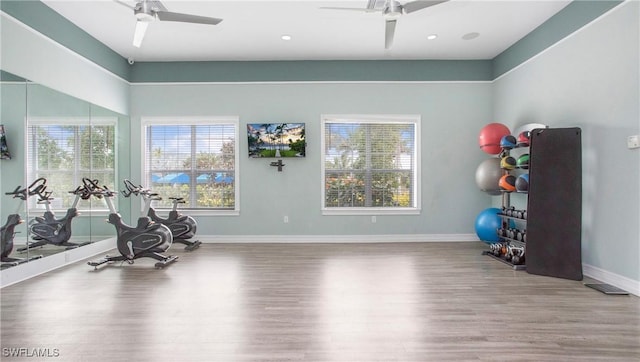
{"x":389,"y":31}
{"x":138,"y":35}
{"x":350,"y":9}
{"x":187,"y":18}
{"x":420,"y":4}
{"x":125,"y":4}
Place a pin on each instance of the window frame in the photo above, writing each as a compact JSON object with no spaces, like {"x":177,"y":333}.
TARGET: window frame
{"x":196,"y":121}
{"x":95,"y":208}
{"x":413,"y":119}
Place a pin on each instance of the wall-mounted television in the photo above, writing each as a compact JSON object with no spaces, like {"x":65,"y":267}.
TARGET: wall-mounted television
{"x":4,"y":149}
{"x":276,"y":140}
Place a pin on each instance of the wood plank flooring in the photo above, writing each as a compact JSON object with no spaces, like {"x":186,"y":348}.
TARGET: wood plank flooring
{"x":316,"y":302}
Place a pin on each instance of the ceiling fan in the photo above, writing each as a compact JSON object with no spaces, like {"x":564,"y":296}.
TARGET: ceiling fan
{"x":391,"y":11}
{"x":147,"y":11}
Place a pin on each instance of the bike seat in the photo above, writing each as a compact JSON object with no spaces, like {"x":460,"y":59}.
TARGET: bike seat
{"x":145,"y":223}
{"x":174,"y":216}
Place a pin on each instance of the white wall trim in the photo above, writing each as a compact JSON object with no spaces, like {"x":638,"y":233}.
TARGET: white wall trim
{"x":36,"y":267}
{"x":607,"y":277}
{"x":392,"y":238}
{"x":316,"y":82}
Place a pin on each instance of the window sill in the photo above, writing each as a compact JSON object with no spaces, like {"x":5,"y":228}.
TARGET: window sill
{"x":370,"y":211}
{"x":201,"y":212}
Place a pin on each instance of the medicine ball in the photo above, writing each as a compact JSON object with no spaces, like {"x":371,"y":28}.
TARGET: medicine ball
{"x":508,"y":163}
{"x":507,"y":183}
{"x":508,"y":142}
{"x":523,"y":138}
{"x":522,"y":183}
{"x":523,"y":162}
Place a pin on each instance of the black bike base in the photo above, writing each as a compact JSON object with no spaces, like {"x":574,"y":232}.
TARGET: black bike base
{"x":170,"y":260}
{"x":163,"y":260}
{"x":190,"y":245}
{"x":68,"y":246}
{"x":9,"y":262}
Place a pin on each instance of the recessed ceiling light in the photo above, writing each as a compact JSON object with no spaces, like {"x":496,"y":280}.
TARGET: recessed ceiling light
{"x":286,"y":37}
{"x":469,"y":36}
{"x":432,"y":36}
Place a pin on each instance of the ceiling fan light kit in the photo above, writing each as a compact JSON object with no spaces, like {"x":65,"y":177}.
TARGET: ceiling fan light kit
{"x":392,"y":10}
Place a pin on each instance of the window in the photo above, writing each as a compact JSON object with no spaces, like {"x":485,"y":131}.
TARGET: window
{"x":194,"y":159}
{"x":66,"y":151}
{"x":370,"y":164}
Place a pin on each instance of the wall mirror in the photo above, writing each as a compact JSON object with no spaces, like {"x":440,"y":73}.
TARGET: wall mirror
{"x":55,"y":141}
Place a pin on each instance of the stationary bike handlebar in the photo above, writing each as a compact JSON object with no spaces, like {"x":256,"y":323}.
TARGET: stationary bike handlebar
{"x":36,"y":188}
{"x":82,"y":192}
{"x":44,"y":197}
{"x":92,"y":187}
{"x":138,"y":190}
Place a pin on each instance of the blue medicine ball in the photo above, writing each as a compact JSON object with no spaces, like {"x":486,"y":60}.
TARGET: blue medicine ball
{"x":508,"y":142}
{"x":522,"y":183}
{"x":487,"y":223}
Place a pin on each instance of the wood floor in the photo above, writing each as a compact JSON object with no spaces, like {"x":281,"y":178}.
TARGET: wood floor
{"x":316,"y":302}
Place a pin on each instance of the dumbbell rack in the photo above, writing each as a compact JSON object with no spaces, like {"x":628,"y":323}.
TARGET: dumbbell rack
{"x":509,"y":241}
{"x":514,"y":237}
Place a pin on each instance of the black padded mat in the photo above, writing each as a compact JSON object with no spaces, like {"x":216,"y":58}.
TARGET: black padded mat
{"x":554,"y":212}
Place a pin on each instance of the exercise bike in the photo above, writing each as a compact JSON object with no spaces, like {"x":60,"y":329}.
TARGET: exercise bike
{"x":47,"y":229}
{"x":146,"y":240}
{"x":7,"y":231}
{"x":183,"y":227}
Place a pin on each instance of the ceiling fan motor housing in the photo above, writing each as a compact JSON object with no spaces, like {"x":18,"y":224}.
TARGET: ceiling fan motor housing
{"x":393,"y":10}
{"x":144,"y":11}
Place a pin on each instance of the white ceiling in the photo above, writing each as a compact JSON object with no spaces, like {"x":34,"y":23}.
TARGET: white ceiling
{"x":252,"y":30}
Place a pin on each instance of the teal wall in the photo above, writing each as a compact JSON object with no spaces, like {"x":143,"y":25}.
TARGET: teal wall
{"x":452,"y":113}
{"x":591,"y":80}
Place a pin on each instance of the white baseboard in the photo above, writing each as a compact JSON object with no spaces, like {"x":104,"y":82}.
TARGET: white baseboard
{"x":395,"y":238}
{"x":36,"y":267}
{"x":619,"y":281}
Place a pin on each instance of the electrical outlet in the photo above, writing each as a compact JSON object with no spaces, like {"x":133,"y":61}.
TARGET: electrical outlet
{"x":286,"y":219}
{"x":373,"y":219}
{"x":633,"y":142}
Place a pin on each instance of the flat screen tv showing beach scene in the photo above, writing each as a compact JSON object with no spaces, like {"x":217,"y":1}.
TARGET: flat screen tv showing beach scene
{"x":276,"y":140}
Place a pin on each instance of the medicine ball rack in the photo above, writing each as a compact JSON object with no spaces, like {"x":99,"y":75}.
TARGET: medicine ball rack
{"x":553,"y":236}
